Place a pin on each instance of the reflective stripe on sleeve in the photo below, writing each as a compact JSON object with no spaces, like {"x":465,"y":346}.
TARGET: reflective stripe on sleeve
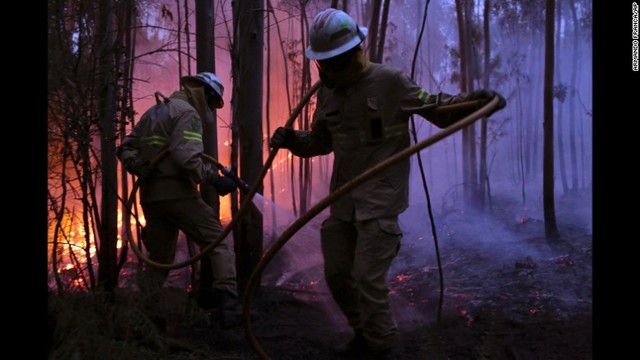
{"x":192,"y":135}
{"x":156,"y":140}
{"x":424,"y":96}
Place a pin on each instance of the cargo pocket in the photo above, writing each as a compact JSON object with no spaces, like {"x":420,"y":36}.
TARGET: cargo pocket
{"x":391,"y":231}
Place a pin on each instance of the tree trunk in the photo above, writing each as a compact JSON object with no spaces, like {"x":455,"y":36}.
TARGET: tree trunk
{"x":373,"y":31}
{"x":107,"y":256}
{"x":128,"y":24}
{"x":205,"y":61}
{"x":572,"y":99}
{"x":466,"y":85}
{"x":272,"y":188}
{"x":538,"y":85}
{"x":483,"y":125}
{"x":305,"y":174}
{"x":561,"y":101}
{"x":550,"y":226}
{"x":248,"y":233}
{"x":383,"y":32}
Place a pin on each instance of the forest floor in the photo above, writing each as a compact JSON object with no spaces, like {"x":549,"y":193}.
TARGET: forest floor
{"x":508,"y":294}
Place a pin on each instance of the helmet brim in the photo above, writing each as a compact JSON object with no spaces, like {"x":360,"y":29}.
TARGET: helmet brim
{"x":192,"y":81}
{"x":322,"y":55}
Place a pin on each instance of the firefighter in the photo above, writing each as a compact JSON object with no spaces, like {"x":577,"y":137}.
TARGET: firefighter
{"x":362,"y":116}
{"x":169,"y":193}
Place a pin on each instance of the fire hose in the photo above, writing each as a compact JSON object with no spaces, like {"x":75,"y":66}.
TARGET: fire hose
{"x":244,"y":206}
{"x":273,"y":249}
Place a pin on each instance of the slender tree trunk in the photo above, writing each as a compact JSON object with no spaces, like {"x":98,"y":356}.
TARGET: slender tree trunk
{"x":272,"y":188}
{"x":572,"y":98}
{"x":250,"y":27}
{"x":522,"y":146}
{"x":551,"y":228}
{"x":187,"y":33}
{"x":179,"y":37}
{"x":128,"y":19}
{"x":483,"y":125}
{"x":532,"y":107}
{"x":288,"y":92}
{"x":538,"y":85}
{"x":383,"y":32}
{"x":561,"y":102}
{"x":303,"y":120}
{"x":468,"y":135}
{"x":373,"y":30}
{"x":107,"y":257}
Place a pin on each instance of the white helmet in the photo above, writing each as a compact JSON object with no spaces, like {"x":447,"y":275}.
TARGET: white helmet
{"x":207,"y":79}
{"x":333,"y":32}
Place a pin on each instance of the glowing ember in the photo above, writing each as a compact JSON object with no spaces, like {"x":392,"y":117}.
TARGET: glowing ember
{"x":401,"y":277}
{"x":564,"y":261}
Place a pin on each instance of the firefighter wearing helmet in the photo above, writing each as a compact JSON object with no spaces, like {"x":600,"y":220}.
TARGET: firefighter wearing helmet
{"x":169,"y":192}
{"x":362,"y":116}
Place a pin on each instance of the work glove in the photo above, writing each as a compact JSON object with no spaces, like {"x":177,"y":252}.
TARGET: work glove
{"x":140,"y":168}
{"x":486,"y":95}
{"x":223,"y":184}
{"x":282,"y":138}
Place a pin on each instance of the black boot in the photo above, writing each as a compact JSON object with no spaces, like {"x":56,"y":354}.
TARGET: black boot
{"x":383,"y":354}
{"x":230,"y":311}
{"x":207,"y":298}
{"x":356,"y":348}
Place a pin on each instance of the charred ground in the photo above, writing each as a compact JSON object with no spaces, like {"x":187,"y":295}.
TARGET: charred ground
{"x":508,"y":294}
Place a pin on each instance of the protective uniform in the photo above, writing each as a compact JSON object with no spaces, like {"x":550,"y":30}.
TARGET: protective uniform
{"x":362,"y":116}
{"x":364,"y":124}
{"x":169,"y":197}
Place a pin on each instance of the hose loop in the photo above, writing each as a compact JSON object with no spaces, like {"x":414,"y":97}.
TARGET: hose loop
{"x":273,"y":249}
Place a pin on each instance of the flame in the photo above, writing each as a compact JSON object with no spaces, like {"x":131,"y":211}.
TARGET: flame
{"x":72,"y":244}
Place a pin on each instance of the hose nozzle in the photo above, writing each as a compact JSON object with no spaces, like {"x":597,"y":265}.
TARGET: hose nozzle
{"x":242,"y":185}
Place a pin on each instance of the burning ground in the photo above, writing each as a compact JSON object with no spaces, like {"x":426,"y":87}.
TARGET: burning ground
{"x":508,"y":294}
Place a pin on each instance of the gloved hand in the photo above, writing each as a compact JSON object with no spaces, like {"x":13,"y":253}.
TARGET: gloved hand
{"x":223,"y":184}
{"x":486,"y":95}
{"x":140,"y":168}
{"x":282,"y":138}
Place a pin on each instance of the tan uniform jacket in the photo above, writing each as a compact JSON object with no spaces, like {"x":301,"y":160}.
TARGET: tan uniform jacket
{"x":175,"y":125}
{"x":364,"y":124}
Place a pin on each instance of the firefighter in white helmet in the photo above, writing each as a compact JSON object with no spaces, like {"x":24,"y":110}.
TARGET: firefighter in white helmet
{"x":169,"y":192}
{"x":362,"y":116}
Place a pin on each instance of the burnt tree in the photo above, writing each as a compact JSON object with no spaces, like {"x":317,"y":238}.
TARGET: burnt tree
{"x":550,"y":226}
{"x":247,"y":67}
